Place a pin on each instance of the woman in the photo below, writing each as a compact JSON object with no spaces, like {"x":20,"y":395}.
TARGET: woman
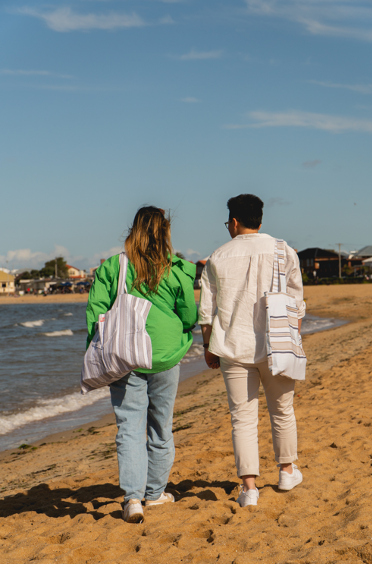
{"x":143,"y":400}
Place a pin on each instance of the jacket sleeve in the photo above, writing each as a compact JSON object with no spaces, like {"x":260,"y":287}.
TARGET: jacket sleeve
{"x":294,"y":281}
{"x":102,"y":295}
{"x":185,"y":300}
{"x":208,"y":295}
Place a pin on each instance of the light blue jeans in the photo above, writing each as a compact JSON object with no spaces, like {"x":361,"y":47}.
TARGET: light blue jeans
{"x":145,"y":402}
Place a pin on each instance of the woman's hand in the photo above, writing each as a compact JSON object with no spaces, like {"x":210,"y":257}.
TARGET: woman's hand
{"x":211,"y":359}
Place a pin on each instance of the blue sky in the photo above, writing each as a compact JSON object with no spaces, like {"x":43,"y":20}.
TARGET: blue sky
{"x":107,"y":105}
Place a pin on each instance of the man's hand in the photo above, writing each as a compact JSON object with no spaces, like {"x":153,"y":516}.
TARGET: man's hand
{"x":211,"y":359}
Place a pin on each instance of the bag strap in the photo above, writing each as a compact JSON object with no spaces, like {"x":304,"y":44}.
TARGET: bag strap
{"x":279,"y":279}
{"x":122,"y":286}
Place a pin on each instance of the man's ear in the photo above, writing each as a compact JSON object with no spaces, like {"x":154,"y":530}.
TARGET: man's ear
{"x":259,"y":227}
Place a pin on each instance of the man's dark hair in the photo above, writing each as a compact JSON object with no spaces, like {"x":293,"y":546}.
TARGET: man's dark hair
{"x":247,"y":209}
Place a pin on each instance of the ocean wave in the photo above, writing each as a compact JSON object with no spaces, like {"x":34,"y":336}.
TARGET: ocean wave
{"x":66,"y":314}
{"x":64,"y":333}
{"x":37,"y":323}
{"x":47,"y":408}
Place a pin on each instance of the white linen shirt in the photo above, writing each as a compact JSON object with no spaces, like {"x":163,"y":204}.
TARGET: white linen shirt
{"x":234,"y":280}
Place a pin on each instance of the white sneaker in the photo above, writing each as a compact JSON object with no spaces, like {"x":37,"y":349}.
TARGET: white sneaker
{"x":289,"y":481}
{"x":133,"y":512}
{"x":164,"y":498}
{"x":249,"y":497}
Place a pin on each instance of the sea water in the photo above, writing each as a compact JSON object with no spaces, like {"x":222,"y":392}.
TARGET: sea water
{"x":41,"y":351}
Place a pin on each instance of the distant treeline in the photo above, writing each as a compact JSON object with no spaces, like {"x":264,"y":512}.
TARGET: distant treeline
{"x":48,"y":270}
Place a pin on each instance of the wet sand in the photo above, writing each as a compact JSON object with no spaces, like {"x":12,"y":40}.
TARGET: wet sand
{"x":61,"y":502}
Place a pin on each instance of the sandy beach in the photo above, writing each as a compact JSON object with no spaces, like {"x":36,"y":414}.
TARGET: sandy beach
{"x":60,"y":500}
{"x":51,"y":299}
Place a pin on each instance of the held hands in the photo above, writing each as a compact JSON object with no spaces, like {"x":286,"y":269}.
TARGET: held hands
{"x":211,"y":359}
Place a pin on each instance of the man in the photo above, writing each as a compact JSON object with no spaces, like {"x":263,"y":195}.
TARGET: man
{"x":232,"y":315}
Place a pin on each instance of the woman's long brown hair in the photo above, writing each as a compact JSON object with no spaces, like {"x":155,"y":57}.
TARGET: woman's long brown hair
{"x":149,"y":247}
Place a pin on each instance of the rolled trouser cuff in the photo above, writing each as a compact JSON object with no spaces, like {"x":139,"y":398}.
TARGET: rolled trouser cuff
{"x":248,"y":471}
{"x":286,"y":459}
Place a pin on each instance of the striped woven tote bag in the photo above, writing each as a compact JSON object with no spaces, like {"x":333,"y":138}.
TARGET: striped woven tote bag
{"x":285,"y":354}
{"x":121,"y":343}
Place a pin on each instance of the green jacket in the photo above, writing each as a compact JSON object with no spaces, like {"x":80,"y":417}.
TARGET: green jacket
{"x":172,"y":315}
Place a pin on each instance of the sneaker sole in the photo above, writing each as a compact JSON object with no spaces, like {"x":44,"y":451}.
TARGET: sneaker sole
{"x":287,"y":488}
{"x":252,"y":502}
{"x":249,"y":505}
{"x":152,"y":503}
{"x":136,"y":518}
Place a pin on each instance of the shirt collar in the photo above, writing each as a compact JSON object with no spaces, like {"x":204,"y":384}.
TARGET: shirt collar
{"x":251,"y":235}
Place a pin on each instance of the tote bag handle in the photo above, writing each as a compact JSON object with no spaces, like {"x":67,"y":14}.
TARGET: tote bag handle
{"x":122,"y":286}
{"x":279,"y":279}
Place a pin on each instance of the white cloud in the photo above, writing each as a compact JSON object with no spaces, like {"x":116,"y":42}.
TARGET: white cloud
{"x":20,"y":72}
{"x":65,"y":20}
{"x":334,"y":18}
{"x":27,"y":259}
{"x":76,"y":88}
{"x":200,"y":55}
{"x":192,"y":255}
{"x":95,"y":259}
{"x":166,"y":20}
{"x":192,"y":252}
{"x":190,"y":100}
{"x":61,"y":87}
{"x":362,"y":88}
{"x":311,"y":164}
{"x":293,"y":118}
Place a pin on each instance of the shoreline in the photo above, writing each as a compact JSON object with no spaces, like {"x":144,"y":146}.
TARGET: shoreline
{"x":183,"y":388}
{"x":55,"y":299}
{"x":99,"y":421}
{"x":36,"y":437}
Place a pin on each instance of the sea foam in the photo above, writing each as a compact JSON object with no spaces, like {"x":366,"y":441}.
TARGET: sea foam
{"x":47,"y":408}
{"x":64,"y":333}
{"x":37,"y":323}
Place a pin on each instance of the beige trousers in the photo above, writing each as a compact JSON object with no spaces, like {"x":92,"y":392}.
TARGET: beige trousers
{"x":242,"y":384}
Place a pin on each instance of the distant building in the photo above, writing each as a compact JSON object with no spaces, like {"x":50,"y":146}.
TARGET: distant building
{"x":6,"y":283}
{"x":323,"y":263}
{"x":367,"y":263}
{"x":364,"y":253}
{"x":36,"y":285}
{"x":75,"y":273}
{"x":92,"y":271}
{"x":199,"y":268}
